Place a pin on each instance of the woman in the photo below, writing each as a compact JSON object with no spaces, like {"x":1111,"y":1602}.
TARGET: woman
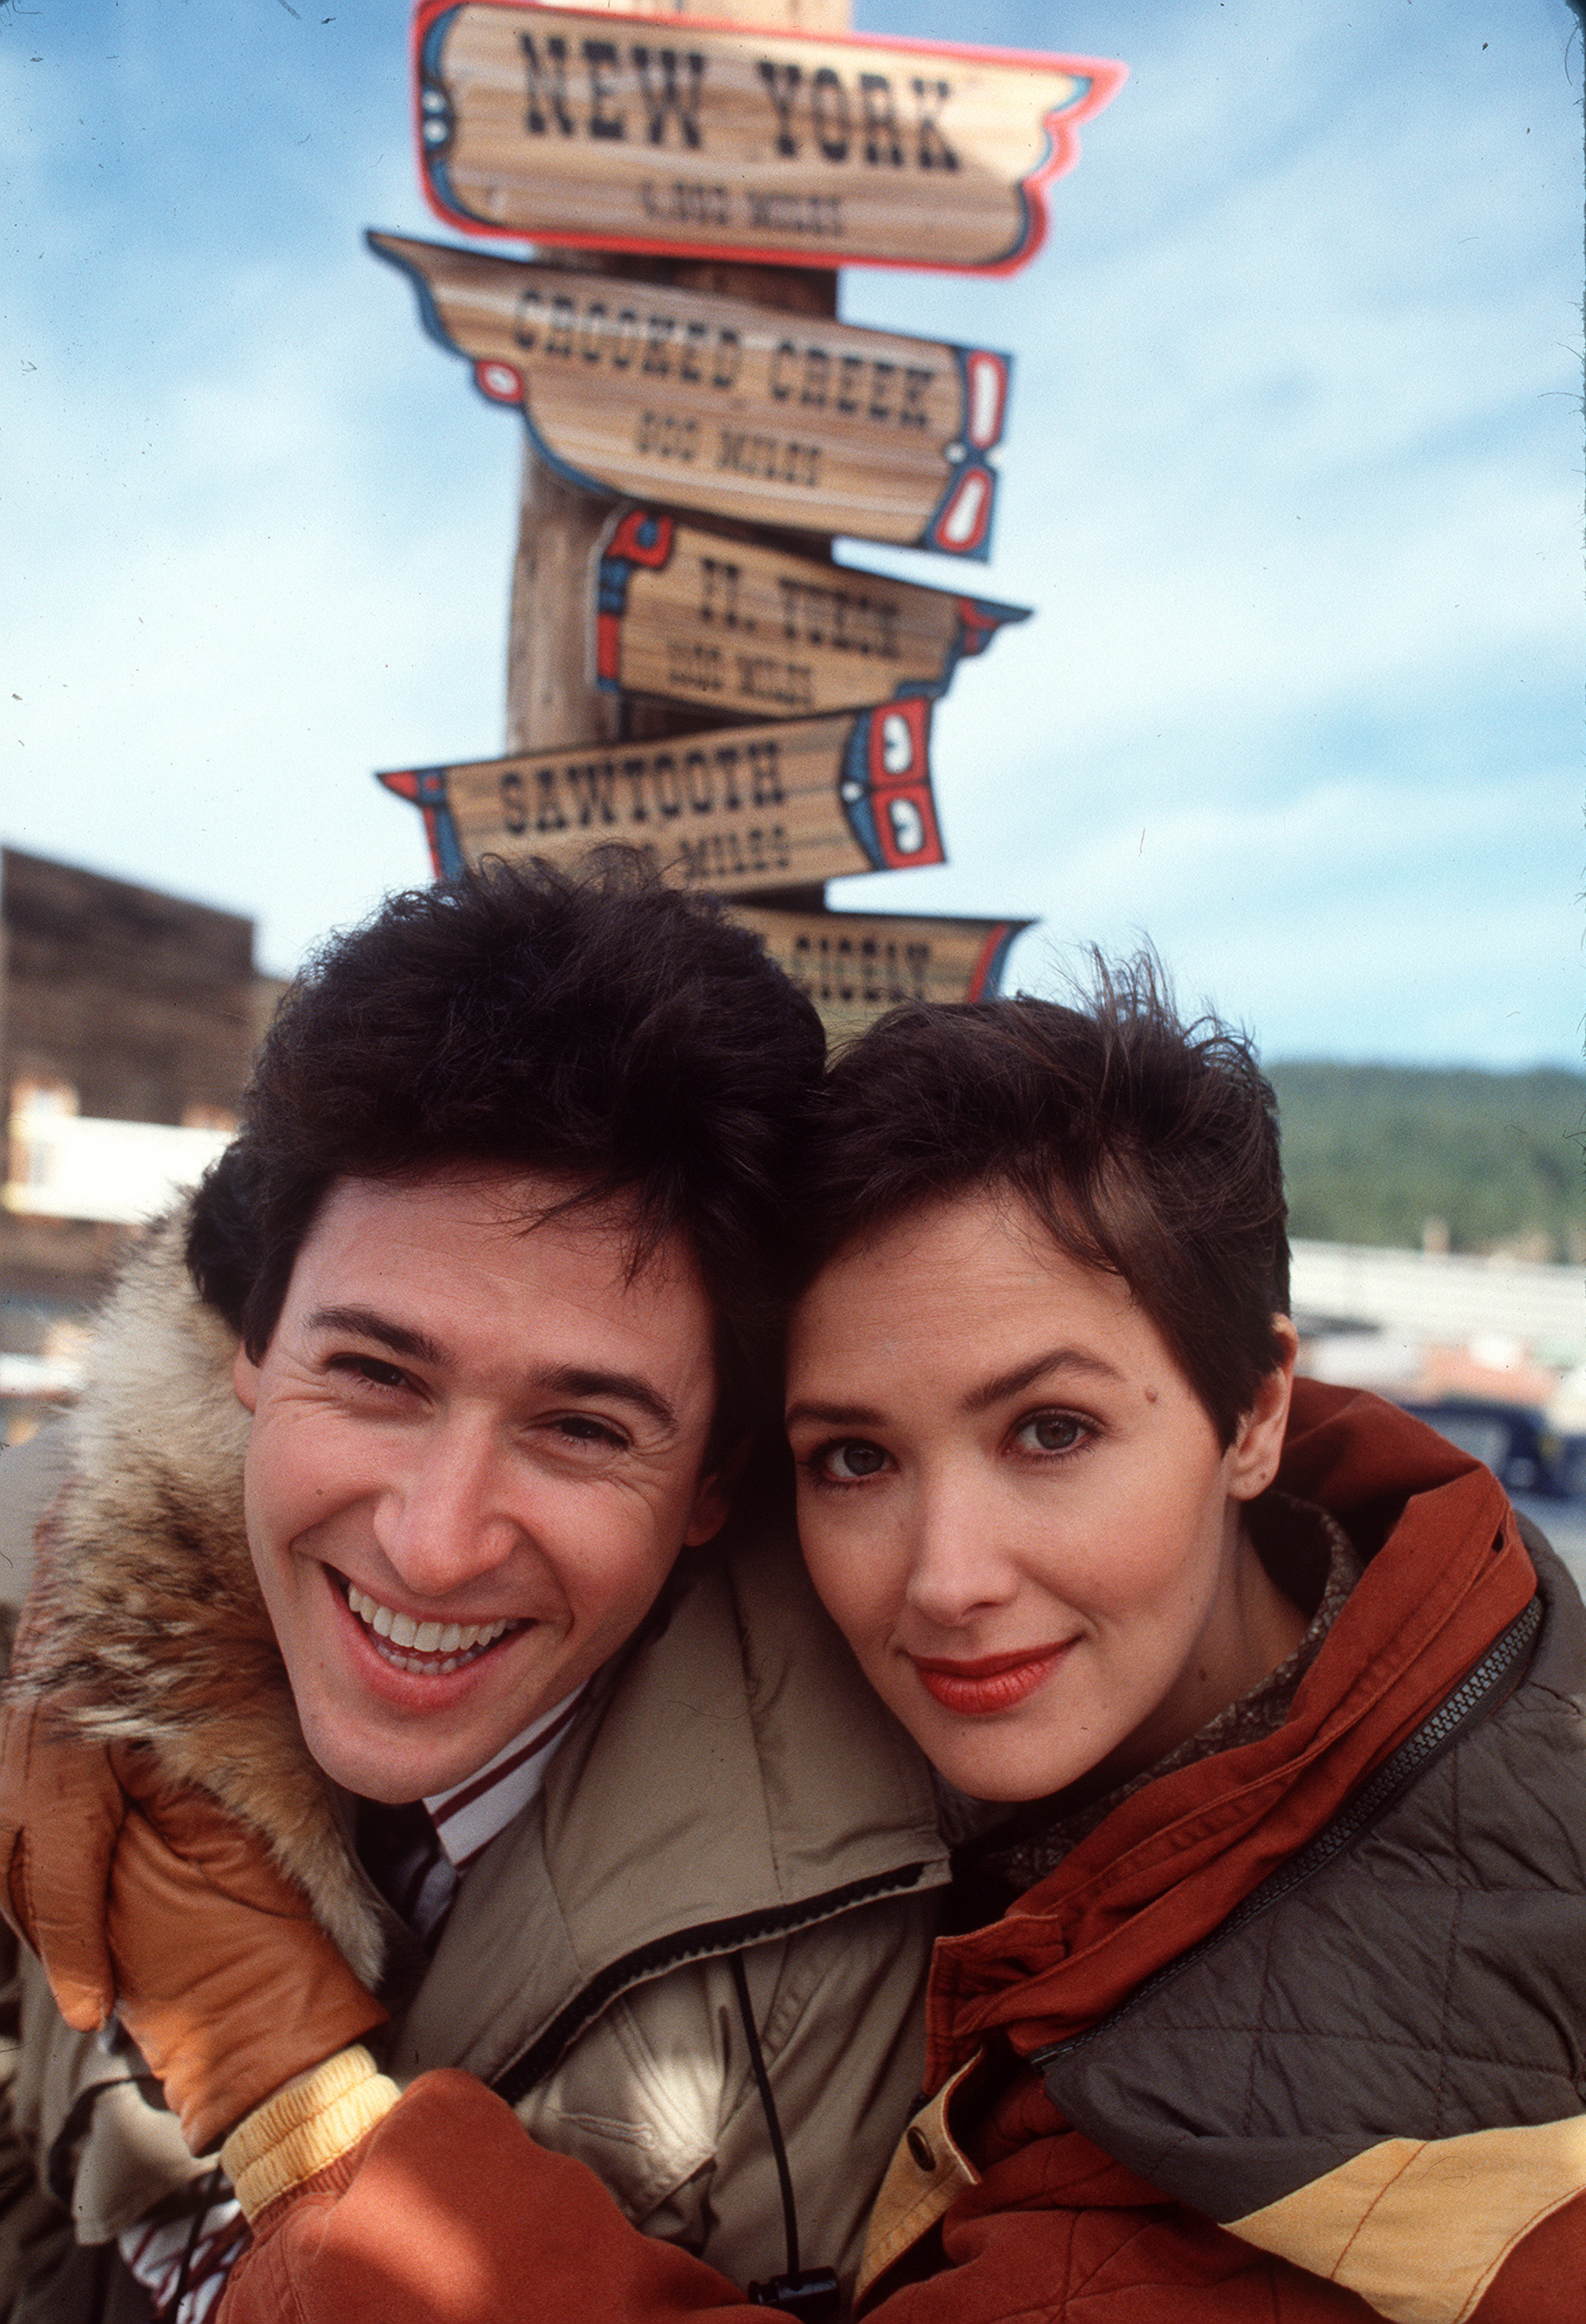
{"x":1259,"y":1729}
{"x":1281,"y":1726}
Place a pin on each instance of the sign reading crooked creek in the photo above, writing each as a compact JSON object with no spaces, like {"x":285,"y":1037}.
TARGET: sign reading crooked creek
{"x":637,"y":132}
{"x":737,"y":810}
{"x":693,"y":616}
{"x":711,"y":404}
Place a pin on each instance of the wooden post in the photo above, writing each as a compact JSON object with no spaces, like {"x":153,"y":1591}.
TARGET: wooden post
{"x":551,"y":697}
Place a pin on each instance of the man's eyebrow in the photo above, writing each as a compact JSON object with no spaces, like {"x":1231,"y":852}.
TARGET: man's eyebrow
{"x":562,"y":1380}
{"x":1020,"y":1377}
{"x":629,"y":1387}
{"x":366,"y":1323}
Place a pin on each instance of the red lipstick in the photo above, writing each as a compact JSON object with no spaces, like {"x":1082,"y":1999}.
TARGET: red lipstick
{"x":995,"y":1682}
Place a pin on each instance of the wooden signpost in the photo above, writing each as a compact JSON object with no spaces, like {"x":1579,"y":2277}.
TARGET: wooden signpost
{"x":855,"y":964}
{"x":714,"y":165}
{"x":611,"y":132}
{"x":693,"y":616}
{"x":740,"y":810}
{"x":712,"y":403}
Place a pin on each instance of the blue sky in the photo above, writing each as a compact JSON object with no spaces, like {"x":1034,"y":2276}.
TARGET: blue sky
{"x":1293,"y":479}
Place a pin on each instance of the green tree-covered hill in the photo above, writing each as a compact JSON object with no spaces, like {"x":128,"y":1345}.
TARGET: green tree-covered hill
{"x":1372,"y":1152}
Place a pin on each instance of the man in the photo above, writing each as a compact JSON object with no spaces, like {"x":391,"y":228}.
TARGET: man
{"x":475,"y":1324}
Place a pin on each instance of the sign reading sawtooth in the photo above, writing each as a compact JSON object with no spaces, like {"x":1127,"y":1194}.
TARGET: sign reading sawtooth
{"x":737,"y":810}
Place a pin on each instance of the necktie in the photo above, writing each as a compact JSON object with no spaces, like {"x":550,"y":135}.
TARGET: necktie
{"x":401,"y":1851}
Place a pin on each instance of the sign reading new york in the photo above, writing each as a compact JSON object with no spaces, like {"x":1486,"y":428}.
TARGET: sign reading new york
{"x":638,"y":132}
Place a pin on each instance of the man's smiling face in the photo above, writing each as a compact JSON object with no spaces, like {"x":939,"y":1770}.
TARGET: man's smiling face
{"x":477,"y":1447}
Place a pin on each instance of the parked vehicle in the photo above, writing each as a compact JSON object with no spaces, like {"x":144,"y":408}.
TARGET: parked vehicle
{"x":1524,"y":1454}
{"x":1572,"y":1464}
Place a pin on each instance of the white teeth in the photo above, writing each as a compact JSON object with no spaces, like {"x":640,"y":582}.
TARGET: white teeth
{"x":456,"y":1640}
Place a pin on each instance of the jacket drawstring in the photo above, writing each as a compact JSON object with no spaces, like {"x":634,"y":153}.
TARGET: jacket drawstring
{"x":812,"y":2291}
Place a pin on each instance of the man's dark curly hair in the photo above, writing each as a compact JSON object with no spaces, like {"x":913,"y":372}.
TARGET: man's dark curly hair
{"x":1146,"y":1147}
{"x":605,"y":1031}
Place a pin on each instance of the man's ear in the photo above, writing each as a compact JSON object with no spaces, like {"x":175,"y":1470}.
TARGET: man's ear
{"x":713,"y":1496}
{"x":1257,"y":1445}
{"x":245,"y":1379}
{"x":709,"y":1514}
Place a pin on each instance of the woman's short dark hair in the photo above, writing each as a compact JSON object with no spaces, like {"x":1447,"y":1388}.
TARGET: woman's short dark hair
{"x":1146,"y":1147}
{"x":604,"y":1031}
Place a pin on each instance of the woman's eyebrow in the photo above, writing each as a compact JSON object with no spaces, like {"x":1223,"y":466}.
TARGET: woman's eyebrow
{"x":836,"y":1416}
{"x":979,"y":1399}
{"x":1023,"y":1376}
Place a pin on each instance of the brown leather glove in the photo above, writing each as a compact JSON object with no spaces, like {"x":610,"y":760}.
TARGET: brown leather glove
{"x":140,"y":1895}
{"x":62,"y":1811}
{"x":61,"y":1814}
{"x":223,"y":1978}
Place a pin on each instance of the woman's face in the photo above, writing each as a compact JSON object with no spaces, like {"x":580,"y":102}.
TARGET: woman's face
{"x":1016,"y":1506}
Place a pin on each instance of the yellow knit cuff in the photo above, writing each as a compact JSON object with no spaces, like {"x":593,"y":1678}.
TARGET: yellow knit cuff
{"x":305,"y":2126}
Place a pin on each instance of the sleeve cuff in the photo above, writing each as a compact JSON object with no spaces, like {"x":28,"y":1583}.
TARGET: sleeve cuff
{"x":304,"y":2127}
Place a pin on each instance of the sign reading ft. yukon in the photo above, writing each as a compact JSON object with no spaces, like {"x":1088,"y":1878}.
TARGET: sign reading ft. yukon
{"x":710,"y":404}
{"x":737,"y":810}
{"x":635,"y":132}
{"x":693,"y":616}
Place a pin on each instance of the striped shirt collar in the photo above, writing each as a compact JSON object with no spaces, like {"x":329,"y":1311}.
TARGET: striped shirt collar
{"x":468,"y":1817}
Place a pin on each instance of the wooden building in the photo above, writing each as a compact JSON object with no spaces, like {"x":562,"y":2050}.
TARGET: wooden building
{"x":119,"y":1004}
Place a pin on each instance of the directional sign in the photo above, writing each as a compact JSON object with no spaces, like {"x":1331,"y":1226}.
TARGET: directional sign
{"x":856,"y":966}
{"x":695,"y":617}
{"x":735,"y":810}
{"x":710,"y":404}
{"x":633,"y":132}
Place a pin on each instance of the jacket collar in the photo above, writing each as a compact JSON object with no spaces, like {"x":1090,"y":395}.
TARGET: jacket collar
{"x":735,"y":1774}
{"x":1446,"y":1573}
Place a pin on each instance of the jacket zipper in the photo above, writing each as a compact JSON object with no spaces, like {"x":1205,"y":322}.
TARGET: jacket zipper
{"x":1478,"y":1692}
{"x":653,"y":1959}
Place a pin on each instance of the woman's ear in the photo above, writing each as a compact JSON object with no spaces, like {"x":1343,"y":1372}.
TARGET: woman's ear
{"x":1257,"y":1445}
{"x":245,"y":1379}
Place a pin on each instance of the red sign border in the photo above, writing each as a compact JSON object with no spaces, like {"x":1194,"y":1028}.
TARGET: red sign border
{"x":1106,"y":75}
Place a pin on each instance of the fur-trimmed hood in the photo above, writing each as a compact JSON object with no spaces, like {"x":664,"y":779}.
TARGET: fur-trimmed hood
{"x":149,"y":1611}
